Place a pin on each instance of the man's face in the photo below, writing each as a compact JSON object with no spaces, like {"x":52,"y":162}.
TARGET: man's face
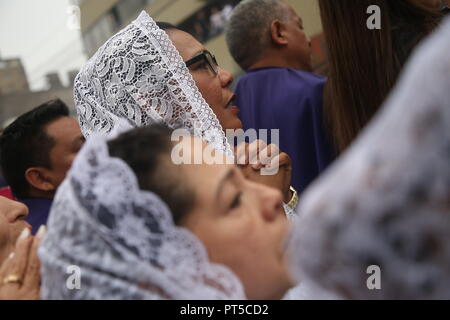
{"x":299,"y":42}
{"x":68,"y":141}
{"x":241,"y":224}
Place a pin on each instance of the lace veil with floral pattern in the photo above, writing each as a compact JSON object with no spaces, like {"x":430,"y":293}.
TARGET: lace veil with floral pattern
{"x":139,"y":75}
{"x":121,"y":242}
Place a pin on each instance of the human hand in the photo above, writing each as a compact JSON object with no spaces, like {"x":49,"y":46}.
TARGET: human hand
{"x":262,"y":163}
{"x":20,"y":272}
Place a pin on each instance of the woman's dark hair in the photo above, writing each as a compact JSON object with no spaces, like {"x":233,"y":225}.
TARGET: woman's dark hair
{"x":365,"y":64}
{"x":145,"y":150}
{"x":165,"y":26}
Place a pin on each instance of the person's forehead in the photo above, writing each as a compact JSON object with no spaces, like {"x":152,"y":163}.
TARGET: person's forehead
{"x":197,"y":149}
{"x":64,"y":127}
{"x":186,"y":44}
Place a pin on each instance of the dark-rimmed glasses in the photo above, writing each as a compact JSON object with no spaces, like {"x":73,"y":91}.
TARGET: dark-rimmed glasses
{"x":206,"y":57}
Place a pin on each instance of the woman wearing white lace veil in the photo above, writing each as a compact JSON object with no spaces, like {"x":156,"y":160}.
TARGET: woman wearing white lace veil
{"x":145,"y":77}
{"x":122,"y":239}
{"x":127,"y":243}
{"x":386,"y":203}
{"x":139,"y":75}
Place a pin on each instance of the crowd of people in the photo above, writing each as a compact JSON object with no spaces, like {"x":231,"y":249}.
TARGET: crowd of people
{"x":211,"y":22}
{"x":362,"y":165}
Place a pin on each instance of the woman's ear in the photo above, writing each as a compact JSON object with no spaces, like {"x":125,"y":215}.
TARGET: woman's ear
{"x":277,"y":32}
{"x":39,"y":179}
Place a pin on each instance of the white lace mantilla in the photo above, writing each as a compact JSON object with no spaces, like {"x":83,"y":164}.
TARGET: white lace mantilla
{"x":123,"y":240}
{"x":139,"y":75}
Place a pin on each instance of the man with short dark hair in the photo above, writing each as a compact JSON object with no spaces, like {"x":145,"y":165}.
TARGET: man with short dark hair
{"x":266,"y":38}
{"x":36,"y":151}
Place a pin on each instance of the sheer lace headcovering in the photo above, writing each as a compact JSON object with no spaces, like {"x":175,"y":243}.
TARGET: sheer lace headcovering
{"x":122,"y":240}
{"x":386,"y":202}
{"x":139,"y":75}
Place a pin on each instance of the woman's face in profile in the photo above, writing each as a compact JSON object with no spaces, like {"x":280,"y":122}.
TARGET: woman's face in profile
{"x":12,"y":223}
{"x":213,"y":87}
{"x":242,"y":225}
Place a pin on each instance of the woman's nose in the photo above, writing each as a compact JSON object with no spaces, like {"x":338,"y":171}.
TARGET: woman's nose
{"x":226,"y":77}
{"x":13,"y":210}
{"x":271,"y":202}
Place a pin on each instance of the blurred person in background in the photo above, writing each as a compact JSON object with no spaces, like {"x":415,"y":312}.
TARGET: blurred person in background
{"x":365,"y":64}
{"x":36,"y":151}
{"x":217,"y":22}
{"x":201,"y":26}
{"x":385,"y":204}
{"x":278,"y":91}
{"x":445,"y":7}
{"x":226,"y":11}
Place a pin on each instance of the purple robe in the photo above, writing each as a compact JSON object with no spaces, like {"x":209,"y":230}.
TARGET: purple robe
{"x":39,"y":209}
{"x":291,"y":101}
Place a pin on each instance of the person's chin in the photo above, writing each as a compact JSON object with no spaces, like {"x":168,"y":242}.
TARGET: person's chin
{"x":235,"y":124}
{"x":238,"y":126}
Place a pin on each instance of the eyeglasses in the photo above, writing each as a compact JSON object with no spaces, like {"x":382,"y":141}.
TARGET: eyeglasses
{"x":208,"y":58}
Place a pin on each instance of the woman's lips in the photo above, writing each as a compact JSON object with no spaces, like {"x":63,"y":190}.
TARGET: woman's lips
{"x":235,"y":109}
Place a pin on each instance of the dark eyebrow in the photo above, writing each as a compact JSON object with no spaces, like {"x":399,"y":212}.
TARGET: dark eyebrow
{"x":78,"y":139}
{"x":229,"y":175}
{"x":198,"y":53}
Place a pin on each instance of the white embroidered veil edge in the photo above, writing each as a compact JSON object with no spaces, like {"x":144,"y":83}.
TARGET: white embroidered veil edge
{"x":139,"y":75}
{"x":123,"y":240}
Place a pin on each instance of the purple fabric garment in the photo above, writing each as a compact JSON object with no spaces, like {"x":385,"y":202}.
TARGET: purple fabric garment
{"x":38,"y":208}
{"x":291,"y":101}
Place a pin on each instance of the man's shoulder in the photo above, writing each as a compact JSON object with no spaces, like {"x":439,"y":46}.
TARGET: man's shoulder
{"x":278,"y":74}
{"x":37,"y":202}
{"x":309,"y":77}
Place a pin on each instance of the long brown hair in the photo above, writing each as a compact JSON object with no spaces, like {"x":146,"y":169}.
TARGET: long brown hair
{"x":365,"y":64}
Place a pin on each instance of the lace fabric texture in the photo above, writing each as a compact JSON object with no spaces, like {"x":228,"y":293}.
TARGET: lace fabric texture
{"x":123,"y":240}
{"x":139,"y":75}
{"x":387,"y":201}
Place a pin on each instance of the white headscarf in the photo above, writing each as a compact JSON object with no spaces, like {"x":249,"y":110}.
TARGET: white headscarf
{"x":387,"y":201}
{"x":139,"y":75}
{"x":123,"y":240}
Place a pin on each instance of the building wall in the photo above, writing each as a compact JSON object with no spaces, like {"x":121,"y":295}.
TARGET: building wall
{"x":174,"y":11}
{"x":13,"y":105}
{"x":12,"y":76}
{"x":92,"y":10}
{"x":308,"y":10}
